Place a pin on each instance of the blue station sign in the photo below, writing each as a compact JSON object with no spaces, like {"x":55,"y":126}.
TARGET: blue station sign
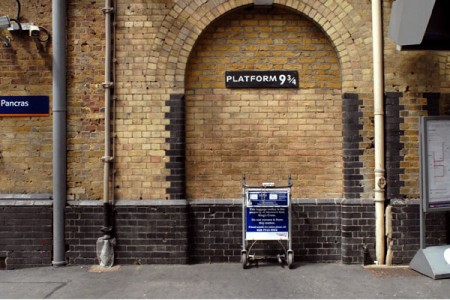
{"x":24,"y":106}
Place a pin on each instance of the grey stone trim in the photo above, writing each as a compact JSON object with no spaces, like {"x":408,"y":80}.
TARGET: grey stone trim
{"x":336,"y":201}
{"x":129,"y":203}
{"x":178,"y":202}
{"x":399,"y":202}
{"x":357,"y":201}
{"x":26,"y":202}
{"x":85,"y":203}
{"x":215,"y":202}
{"x":37,"y":196}
{"x":7,"y":201}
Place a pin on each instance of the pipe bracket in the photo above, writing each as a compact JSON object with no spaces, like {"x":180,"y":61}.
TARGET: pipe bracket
{"x":107,"y":10}
{"x":107,"y":159}
{"x":108,"y":85}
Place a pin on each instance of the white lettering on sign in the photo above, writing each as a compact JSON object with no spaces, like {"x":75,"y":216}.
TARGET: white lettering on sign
{"x":5,"y":103}
{"x":252,"y":78}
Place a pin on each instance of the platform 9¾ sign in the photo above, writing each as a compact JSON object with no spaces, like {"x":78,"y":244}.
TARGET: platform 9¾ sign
{"x":261,"y":79}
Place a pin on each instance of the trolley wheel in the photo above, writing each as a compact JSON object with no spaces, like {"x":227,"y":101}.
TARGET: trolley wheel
{"x":290,"y":259}
{"x":244,"y":260}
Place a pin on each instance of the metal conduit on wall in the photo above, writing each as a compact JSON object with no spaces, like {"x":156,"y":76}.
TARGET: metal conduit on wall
{"x":59,"y":130}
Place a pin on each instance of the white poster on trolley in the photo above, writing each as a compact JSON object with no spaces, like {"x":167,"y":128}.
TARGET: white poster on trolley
{"x":267,"y":215}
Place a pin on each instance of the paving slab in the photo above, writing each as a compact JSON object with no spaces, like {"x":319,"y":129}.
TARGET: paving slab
{"x":220,"y":281}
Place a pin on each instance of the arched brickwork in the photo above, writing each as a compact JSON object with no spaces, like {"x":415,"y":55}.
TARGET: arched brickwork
{"x":266,"y":134}
{"x":341,"y":23}
{"x":183,"y":25}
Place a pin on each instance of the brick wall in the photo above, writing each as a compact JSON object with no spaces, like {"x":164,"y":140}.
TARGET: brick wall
{"x":266,"y":134}
{"x":177,"y":147}
{"x":25,"y":232}
{"x":145,"y":234}
{"x":25,"y":69}
{"x":406,"y":229}
{"x":393,"y":145}
{"x":211,"y":232}
{"x":168,"y":48}
{"x":175,"y":232}
{"x":215,"y":232}
{"x":156,"y":43}
{"x":351,"y":114}
{"x":85,"y":97}
{"x":330,"y":45}
{"x":358,"y":230}
{"x":316,"y":230}
{"x":149,"y":71}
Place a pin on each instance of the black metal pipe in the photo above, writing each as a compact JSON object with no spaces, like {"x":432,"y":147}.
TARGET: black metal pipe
{"x":108,"y":220}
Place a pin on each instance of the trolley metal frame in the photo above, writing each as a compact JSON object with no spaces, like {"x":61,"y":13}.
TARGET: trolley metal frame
{"x":249,"y":240}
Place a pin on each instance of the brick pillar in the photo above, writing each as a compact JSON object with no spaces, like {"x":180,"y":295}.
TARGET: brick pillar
{"x":358,"y":229}
{"x":393,"y":145}
{"x":177,"y":147}
{"x":351,"y":114}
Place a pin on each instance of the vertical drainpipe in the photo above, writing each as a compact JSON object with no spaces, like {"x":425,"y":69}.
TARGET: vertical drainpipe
{"x":378,"y":92}
{"x":107,"y":158}
{"x":59,"y":130}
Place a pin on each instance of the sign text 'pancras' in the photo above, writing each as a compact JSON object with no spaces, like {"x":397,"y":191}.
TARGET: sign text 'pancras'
{"x":23,"y":106}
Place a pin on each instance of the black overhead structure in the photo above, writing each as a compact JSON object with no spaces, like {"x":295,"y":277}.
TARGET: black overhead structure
{"x":420,"y":24}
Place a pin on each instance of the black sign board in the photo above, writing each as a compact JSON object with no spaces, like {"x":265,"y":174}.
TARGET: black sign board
{"x":261,"y":79}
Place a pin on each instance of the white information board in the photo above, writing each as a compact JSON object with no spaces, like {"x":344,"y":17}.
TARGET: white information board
{"x":435,"y":162}
{"x":267,"y":214}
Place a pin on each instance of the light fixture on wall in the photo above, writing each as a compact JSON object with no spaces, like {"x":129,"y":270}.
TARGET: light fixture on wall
{"x":38,"y":33}
{"x":5,"y":23}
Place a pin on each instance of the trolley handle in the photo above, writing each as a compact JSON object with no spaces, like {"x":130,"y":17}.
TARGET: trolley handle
{"x":289,"y":185}
{"x":266,"y":187}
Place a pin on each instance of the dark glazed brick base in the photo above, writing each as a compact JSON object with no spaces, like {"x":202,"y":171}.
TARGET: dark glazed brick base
{"x":144,"y":234}
{"x":323,"y":230}
{"x":316,"y":233}
{"x":406,"y":229}
{"x":215,"y":233}
{"x":25,"y":236}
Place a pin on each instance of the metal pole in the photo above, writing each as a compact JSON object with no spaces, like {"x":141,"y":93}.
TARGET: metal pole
{"x":59,"y":130}
{"x":378,"y":91}
{"x":422,"y":179}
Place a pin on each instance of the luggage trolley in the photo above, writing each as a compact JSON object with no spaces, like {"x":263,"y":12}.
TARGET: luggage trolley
{"x":266,"y":216}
